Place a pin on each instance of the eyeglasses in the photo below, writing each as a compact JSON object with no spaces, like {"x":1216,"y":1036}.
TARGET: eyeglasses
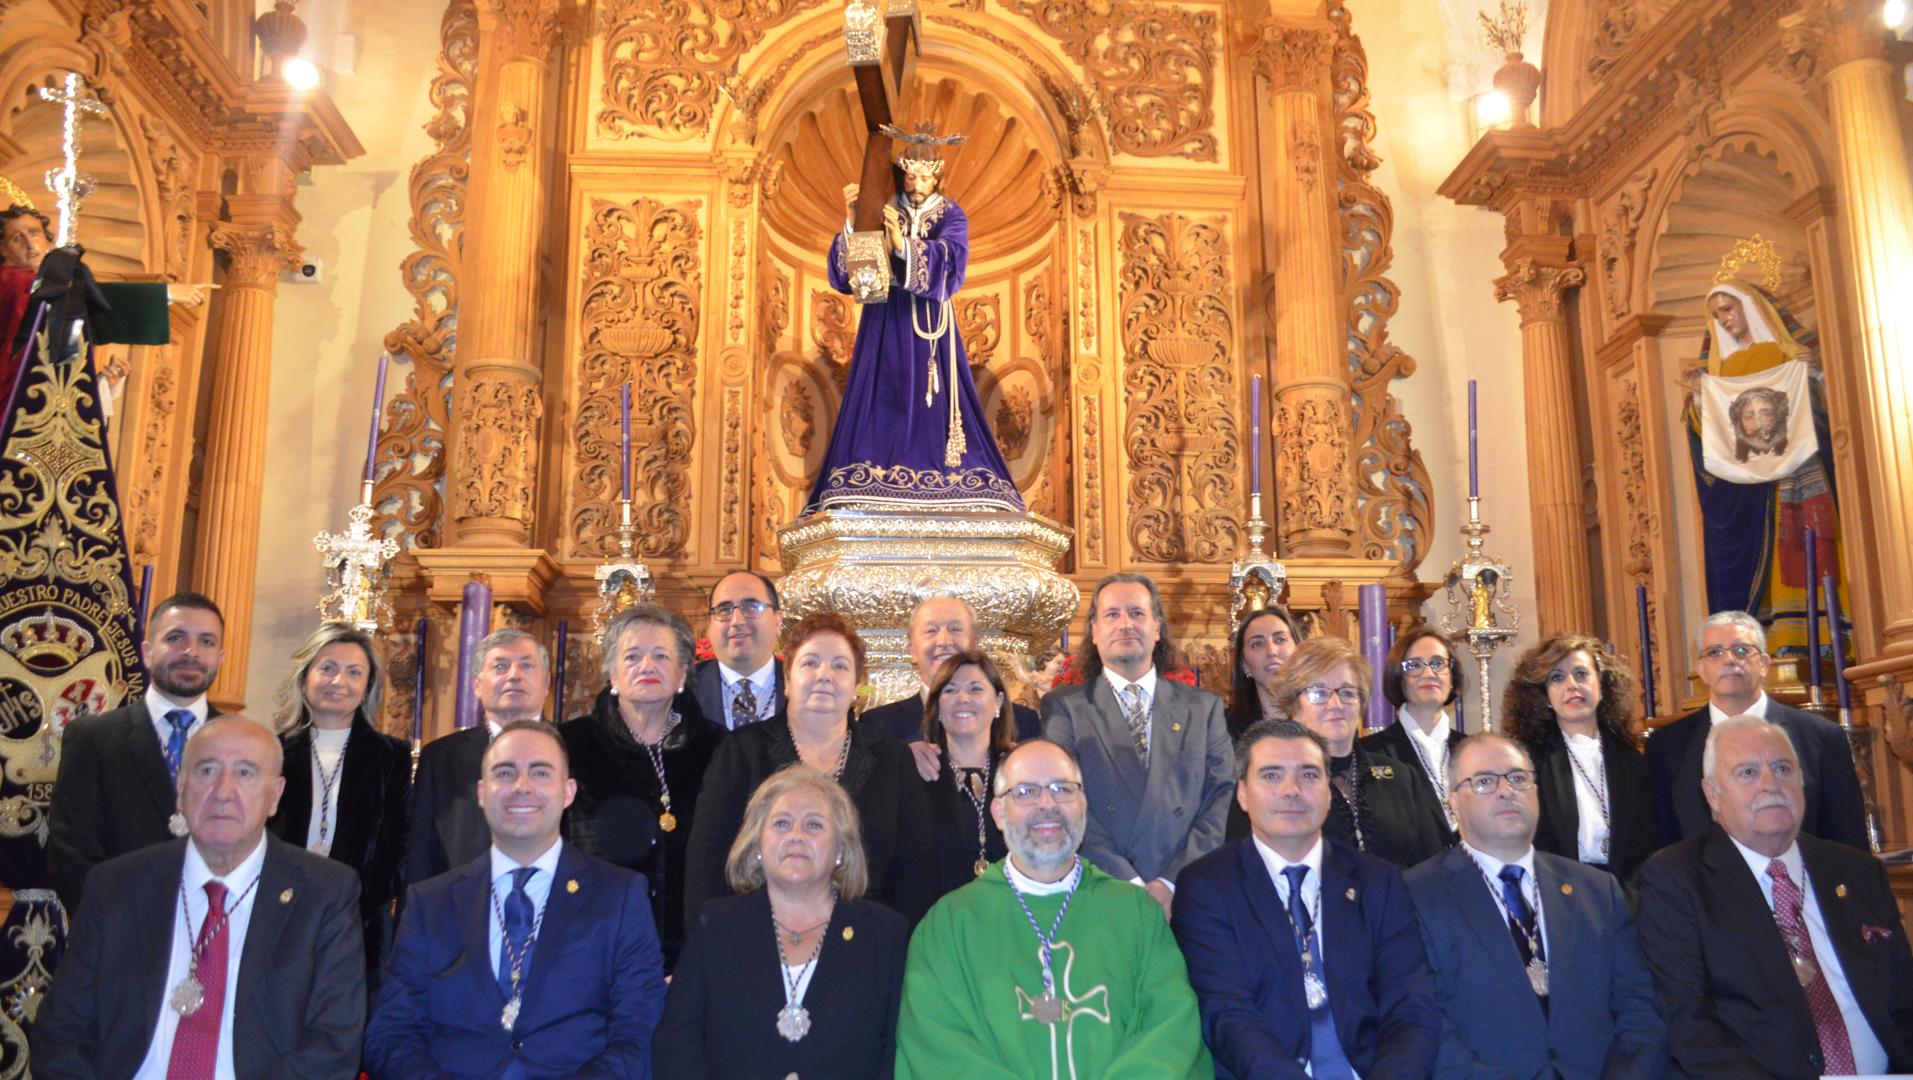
{"x":750,"y":609}
{"x":1742,"y":653}
{"x":1436,"y":664}
{"x":1485,"y":783}
{"x":1031,"y":794}
{"x":1319,"y":694}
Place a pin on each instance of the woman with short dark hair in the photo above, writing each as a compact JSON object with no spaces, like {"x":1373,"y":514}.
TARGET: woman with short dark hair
{"x":1423,"y":681}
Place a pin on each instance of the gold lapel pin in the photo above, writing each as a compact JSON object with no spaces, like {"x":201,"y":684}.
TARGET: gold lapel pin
{"x":849,"y":932}
{"x":1351,"y":894}
{"x":1567,"y":889}
{"x":286,"y":897}
{"x":1175,"y":727}
{"x":572,"y":885}
{"x":1840,"y":891}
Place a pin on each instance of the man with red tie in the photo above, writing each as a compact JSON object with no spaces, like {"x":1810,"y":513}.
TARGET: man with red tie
{"x":1774,"y":953}
{"x":226,"y":954}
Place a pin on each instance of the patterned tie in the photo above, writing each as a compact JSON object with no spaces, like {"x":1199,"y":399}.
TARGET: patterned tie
{"x":182,"y":721}
{"x":1136,"y":711}
{"x":518,"y":920}
{"x":196,"y":1042}
{"x":1326,"y":1060}
{"x":1835,"y":1046}
{"x":743,"y":704}
{"x":1520,"y":917}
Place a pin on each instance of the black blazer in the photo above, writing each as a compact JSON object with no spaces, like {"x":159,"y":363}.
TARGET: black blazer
{"x":720,"y":1014}
{"x":1396,"y":743}
{"x":953,"y":819}
{"x":375,"y":786}
{"x":299,"y":1004}
{"x":902,"y":720}
{"x":1835,"y":810}
{"x":615,"y":815}
{"x":1401,"y":818}
{"x":1630,"y":803}
{"x":882,"y":780}
{"x":111,"y":796}
{"x":1726,"y":985}
{"x":447,"y":828}
{"x":707,"y":689}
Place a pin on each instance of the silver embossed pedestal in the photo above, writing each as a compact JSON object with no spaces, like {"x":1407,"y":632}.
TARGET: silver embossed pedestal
{"x":874,"y":566}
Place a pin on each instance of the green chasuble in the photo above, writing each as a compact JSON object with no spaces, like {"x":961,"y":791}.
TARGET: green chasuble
{"x":974,"y":970}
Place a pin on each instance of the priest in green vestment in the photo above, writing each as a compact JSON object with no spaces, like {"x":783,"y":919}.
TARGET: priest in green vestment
{"x":1046,"y":967}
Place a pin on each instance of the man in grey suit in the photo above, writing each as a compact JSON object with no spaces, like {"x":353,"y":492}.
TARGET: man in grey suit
{"x":1537,"y":967}
{"x":1157,"y":764}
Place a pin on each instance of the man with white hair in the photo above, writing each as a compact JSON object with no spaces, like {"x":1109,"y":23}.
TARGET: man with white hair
{"x":1773,"y":953}
{"x":1733,"y":662}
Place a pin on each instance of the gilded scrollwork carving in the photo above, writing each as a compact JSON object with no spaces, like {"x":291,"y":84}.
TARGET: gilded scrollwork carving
{"x":643,"y":280}
{"x":173,"y":172}
{"x":409,"y":493}
{"x":525,"y":29}
{"x":514,"y":135}
{"x":1619,"y":228}
{"x":1312,"y":462}
{"x":1179,"y":388}
{"x":1392,"y":502}
{"x":1291,"y":58}
{"x":144,"y":513}
{"x":1538,"y":289}
{"x":1014,"y":420}
{"x":980,"y":325}
{"x":1154,"y":68}
{"x":498,"y":420}
{"x":1086,"y":289}
{"x":833,"y":332}
{"x":1613,"y":31}
{"x":1092,"y":455}
{"x":739,"y":263}
{"x":665,"y":61}
{"x":730,"y":512}
{"x":1643,"y":520}
{"x":256,"y":254}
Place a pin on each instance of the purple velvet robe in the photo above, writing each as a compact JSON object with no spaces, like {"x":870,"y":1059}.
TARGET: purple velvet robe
{"x":888,"y":448}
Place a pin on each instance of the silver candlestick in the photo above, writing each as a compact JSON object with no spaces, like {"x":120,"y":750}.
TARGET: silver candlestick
{"x":1257,"y":580}
{"x":625,"y":581}
{"x":1480,"y":604}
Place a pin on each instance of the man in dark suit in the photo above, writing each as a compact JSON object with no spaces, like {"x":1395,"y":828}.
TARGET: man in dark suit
{"x":447,"y":830}
{"x":1487,"y":906}
{"x":1155,"y":753}
{"x":1733,"y":662}
{"x":229,"y":953}
{"x":940,"y":628}
{"x":744,"y":682}
{"x":534,"y":961}
{"x":1304,"y":953}
{"x":115,"y":791}
{"x":1774,"y":953}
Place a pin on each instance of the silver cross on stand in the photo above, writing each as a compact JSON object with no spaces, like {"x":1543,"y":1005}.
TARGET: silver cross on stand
{"x":68,"y":183}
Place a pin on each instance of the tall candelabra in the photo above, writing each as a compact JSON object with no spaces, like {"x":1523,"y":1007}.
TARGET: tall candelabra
{"x":355,"y":568}
{"x":623,"y":581}
{"x":1480,"y":604}
{"x":1257,"y":579}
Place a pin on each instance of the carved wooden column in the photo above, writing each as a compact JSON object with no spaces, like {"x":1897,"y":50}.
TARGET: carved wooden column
{"x":1562,"y":571}
{"x":496,"y":396}
{"x":258,"y":244}
{"x":1844,"y":41}
{"x":1313,"y":416}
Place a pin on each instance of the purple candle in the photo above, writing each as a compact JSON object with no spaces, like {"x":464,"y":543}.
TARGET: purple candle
{"x":1065,"y":641}
{"x":1813,"y":610}
{"x":1474,"y":460}
{"x":1647,"y":650}
{"x":1461,"y":714}
{"x":418,"y":683}
{"x":378,"y":413}
{"x":1255,"y":434}
{"x":145,"y":596}
{"x":624,"y":443}
{"x":1834,"y":627}
{"x":558,"y":674}
{"x":474,"y":622}
{"x":1372,"y":613}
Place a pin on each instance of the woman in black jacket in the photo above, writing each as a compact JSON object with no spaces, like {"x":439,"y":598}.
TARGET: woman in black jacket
{"x":347,"y":784}
{"x":968,"y":716}
{"x":639,"y":758}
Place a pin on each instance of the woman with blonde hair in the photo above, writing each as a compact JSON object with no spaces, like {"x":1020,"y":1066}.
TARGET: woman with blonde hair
{"x":798,"y":974}
{"x":347,"y":784}
{"x":1376,"y":804}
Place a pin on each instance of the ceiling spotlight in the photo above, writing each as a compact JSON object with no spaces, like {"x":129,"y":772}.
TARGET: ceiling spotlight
{"x":300,"y":73}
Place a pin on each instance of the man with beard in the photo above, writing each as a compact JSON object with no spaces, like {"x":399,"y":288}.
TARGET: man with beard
{"x":1759,"y":417}
{"x":1157,"y":765}
{"x":1045,"y":966}
{"x":118,"y":770}
{"x":448,"y":829}
{"x":744,"y":682}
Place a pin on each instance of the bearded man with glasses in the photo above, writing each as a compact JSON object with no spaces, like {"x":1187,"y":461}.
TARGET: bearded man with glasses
{"x":1733,"y":663}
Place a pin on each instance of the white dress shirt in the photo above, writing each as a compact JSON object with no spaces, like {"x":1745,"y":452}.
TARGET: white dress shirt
{"x":240,"y":897}
{"x":328,"y":747}
{"x":1589,"y":764}
{"x":1433,"y":744}
{"x":1868,"y":1055}
{"x":763,"y":684}
{"x":157,"y":706}
{"x":1311,"y":882}
{"x":538,"y":889}
{"x":1759,"y":708}
{"x":1530,"y":888}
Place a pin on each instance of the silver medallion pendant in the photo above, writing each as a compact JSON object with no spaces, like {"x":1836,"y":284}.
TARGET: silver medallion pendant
{"x":1047,"y":1008}
{"x":1314,"y":990}
{"x":509,"y":1018}
{"x":1538,"y":977}
{"x":1804,"y":970}
{"x":793,"y":1022}
{"x":177,"y":824}
{"x":187,"y":997}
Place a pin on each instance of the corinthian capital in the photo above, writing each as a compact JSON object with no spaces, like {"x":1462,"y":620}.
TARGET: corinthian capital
{"x":258,"y":253}
{"x":1293,"y":59}
{"x":1826,"y":34}
{"x":1537,"y":288}
{"x":524,"y":29}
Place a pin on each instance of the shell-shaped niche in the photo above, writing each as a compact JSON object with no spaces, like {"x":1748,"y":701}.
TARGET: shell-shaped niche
{"x":1732,"y":197}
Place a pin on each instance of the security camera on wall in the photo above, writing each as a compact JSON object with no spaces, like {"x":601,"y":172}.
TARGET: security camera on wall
{"x":309,"y":272}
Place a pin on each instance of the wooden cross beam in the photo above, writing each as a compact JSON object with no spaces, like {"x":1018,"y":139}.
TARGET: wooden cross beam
{"x":882,"y":37}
